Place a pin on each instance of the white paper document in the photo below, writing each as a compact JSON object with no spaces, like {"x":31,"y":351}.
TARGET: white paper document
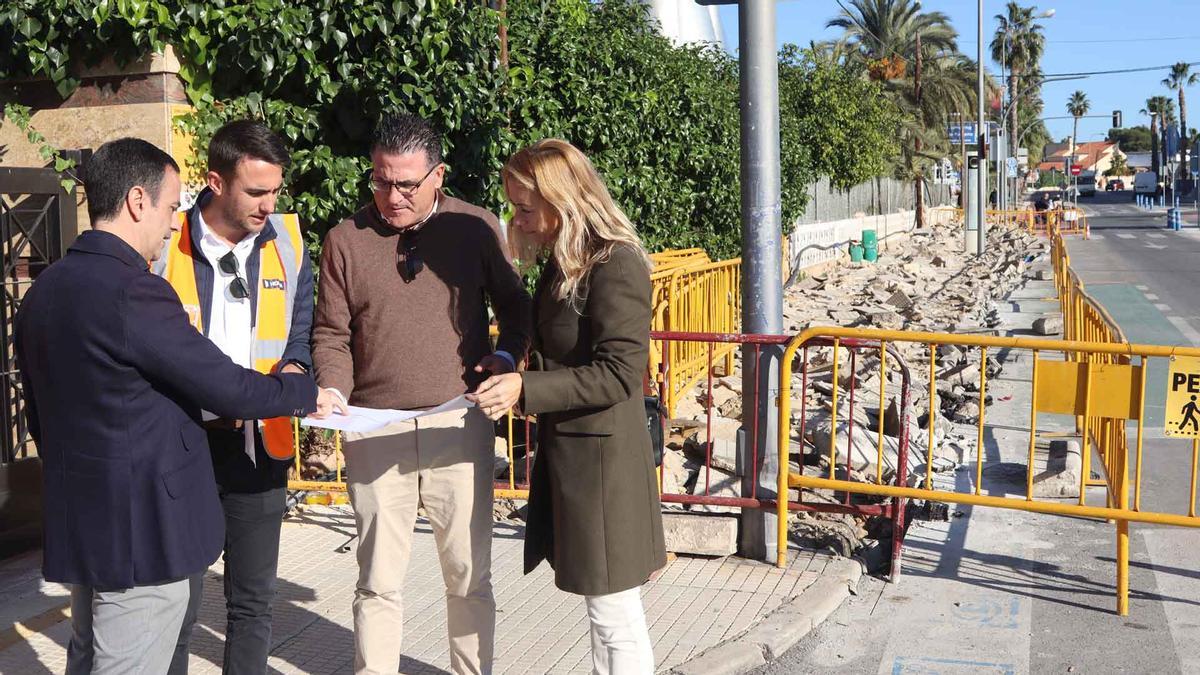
{"x":372,"y":419}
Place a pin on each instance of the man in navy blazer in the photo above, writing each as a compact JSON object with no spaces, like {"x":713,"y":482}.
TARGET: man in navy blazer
{"x":114,"y":378}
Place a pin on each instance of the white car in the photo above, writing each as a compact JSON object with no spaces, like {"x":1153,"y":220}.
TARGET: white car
{"x":1145,"y":183}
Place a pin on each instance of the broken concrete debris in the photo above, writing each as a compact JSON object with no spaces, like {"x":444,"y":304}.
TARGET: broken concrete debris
{"x":921,"y":284}
{"x":910,"y":288}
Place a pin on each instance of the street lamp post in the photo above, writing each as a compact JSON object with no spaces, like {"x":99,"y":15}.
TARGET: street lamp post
{"x":1156,"y":158}
{"x":981,"y":137}
{"x":762,"y":285}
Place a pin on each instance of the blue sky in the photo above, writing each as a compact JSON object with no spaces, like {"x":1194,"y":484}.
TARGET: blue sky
{"x":1082,"y":36}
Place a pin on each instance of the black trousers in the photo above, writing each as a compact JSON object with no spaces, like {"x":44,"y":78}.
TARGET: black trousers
{"x":252,"y":524}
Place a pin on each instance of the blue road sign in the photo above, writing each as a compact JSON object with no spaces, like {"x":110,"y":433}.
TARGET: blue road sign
{"x":957,"y":131}
{"x":1172,"y":139}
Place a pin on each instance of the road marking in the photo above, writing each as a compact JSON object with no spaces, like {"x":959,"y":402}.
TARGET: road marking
{"x":1186,"y":328}
{"x":903,"y":665}
{"x":1155,"y":246}
{"x":1125,"y":235}
{"x":1156,"y":235}
{"x":1142,"y":287}
{"x":1097,"y":237}
{"x":1151,"y":296}
{"x":1162,"y":307}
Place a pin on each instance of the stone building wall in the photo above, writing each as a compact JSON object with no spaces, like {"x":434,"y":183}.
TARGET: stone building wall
{"x":139,"y":100}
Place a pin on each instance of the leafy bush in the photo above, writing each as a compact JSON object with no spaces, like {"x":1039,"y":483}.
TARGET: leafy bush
{"x":659,"y":121}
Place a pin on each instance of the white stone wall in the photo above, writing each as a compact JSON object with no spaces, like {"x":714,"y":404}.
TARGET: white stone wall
{"x":815,"y":244}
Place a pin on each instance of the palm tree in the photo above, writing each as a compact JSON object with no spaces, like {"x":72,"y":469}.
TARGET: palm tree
{"x":948,"y":85}
{"x":1031,"y":131}
{"x":1158,"y":108}
{"x":1166,"y":108}
{"x":1019,"y":43}
{"x":884,"y":37}
{"x":887,"y":29}
{"x":1077,"y":107}
{"x":1179,"y":79}
{"x":829,"y":52}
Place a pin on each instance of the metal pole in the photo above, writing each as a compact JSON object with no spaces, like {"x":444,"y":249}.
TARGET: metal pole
{"x":981,"y":136}
{"x":970,"y":217}
{"x":1001,"y":149}
{"x":1001,"y":170}
{"x":762,"y":285}
{"x":962,"y":167}
{"x":919,"y":207}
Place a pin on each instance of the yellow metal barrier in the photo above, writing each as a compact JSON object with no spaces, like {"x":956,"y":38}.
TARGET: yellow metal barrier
{"x":1100,"y":384}
{"x":1061,"y":221}
{"x":326,"y":492}
{"x":1070,"y":221}
{"x":703,"y":298}
{"x":670,"y":259}
{"x":1083,"y":317}
{"x":1012,"y":218}
{"x":1097,"y":359}
{"x":690,"y":293}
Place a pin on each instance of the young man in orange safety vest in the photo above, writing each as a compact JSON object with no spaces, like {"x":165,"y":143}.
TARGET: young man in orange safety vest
{"x":245,"y":280}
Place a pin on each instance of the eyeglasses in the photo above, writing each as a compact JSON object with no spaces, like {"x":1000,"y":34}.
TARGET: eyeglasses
{"x":238,"y":288}
{"x":406,"y":189}
{"x":408,"y":262}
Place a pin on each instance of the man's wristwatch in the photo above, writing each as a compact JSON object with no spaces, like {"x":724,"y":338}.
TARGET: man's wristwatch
{"x":293,"y":362}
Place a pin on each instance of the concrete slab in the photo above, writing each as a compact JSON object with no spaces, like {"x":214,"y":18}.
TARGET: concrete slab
{"x":693,"y":605}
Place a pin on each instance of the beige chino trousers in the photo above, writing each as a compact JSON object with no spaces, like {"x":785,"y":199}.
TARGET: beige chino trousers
{"x":443,"y":462}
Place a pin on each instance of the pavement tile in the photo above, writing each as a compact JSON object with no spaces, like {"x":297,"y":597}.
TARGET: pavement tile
{"x":693,"y":605}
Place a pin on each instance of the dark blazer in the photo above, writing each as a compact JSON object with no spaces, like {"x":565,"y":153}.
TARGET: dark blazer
{"x":114,"y":378}
{"x":594,"y":511}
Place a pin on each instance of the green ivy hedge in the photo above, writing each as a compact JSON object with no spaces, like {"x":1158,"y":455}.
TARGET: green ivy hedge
{"x":659,"y":121}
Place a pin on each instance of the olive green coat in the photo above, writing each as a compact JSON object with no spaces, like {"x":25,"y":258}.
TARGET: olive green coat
{"x":594,"y":511}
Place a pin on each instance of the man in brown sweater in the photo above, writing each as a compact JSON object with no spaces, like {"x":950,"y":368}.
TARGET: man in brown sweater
{"x":401,"y":322}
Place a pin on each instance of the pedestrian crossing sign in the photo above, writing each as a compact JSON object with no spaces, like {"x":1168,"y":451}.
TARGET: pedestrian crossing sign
{"x":1182,"y":418}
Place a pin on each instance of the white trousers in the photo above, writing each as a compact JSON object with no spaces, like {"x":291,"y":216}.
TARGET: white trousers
{"x":620,"y":638}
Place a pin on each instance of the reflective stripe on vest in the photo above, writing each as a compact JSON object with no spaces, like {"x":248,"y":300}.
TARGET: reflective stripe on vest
{"x":278,"y":275}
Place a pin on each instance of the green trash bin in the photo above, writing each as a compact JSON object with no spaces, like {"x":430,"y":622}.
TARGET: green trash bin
{"x":870,"y":246}
{"x":856,"y":252}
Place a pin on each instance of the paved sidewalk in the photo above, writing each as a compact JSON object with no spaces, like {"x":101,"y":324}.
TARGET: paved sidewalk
{"x":693,"y":605}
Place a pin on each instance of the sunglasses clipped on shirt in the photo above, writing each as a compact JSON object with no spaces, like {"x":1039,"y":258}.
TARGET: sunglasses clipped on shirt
{"x":408,"y":261}
{"x":238,"y":288}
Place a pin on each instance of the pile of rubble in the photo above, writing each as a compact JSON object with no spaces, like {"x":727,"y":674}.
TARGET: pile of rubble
{"x":924,"y":283}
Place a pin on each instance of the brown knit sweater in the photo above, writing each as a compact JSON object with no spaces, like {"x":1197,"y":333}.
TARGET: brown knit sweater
{"x":387,"y":344}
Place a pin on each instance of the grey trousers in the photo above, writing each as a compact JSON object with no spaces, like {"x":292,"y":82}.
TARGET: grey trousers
{"x":128,"y":630}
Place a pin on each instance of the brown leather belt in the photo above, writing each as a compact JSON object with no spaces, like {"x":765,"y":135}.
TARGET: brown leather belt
{"x":222,"y":424}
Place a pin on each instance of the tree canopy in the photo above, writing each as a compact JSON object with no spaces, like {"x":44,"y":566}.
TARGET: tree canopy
{"x":659,"y":121}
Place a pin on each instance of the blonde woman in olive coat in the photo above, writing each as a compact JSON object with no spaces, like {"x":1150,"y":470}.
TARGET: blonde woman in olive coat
{"x":594,"y":511}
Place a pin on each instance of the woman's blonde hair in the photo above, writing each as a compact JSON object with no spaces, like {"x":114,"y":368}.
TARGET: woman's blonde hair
{"x":591,"y":225}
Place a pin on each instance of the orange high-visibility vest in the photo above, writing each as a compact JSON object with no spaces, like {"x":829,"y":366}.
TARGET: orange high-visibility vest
{"x":278,"y":274}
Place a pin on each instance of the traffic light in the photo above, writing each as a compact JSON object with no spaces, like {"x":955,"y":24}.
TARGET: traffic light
{"x":1116,"y":119}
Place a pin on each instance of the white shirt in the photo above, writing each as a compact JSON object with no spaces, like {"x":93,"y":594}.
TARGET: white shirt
{"x":230,"y":323}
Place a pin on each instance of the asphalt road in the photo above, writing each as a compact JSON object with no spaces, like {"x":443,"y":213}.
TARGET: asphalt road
{"x":1000,"y":591}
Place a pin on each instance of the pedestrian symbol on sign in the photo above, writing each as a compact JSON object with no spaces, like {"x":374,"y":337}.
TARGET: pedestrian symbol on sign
{"x":1189,"y":415}
{"x":1183,"y":392}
